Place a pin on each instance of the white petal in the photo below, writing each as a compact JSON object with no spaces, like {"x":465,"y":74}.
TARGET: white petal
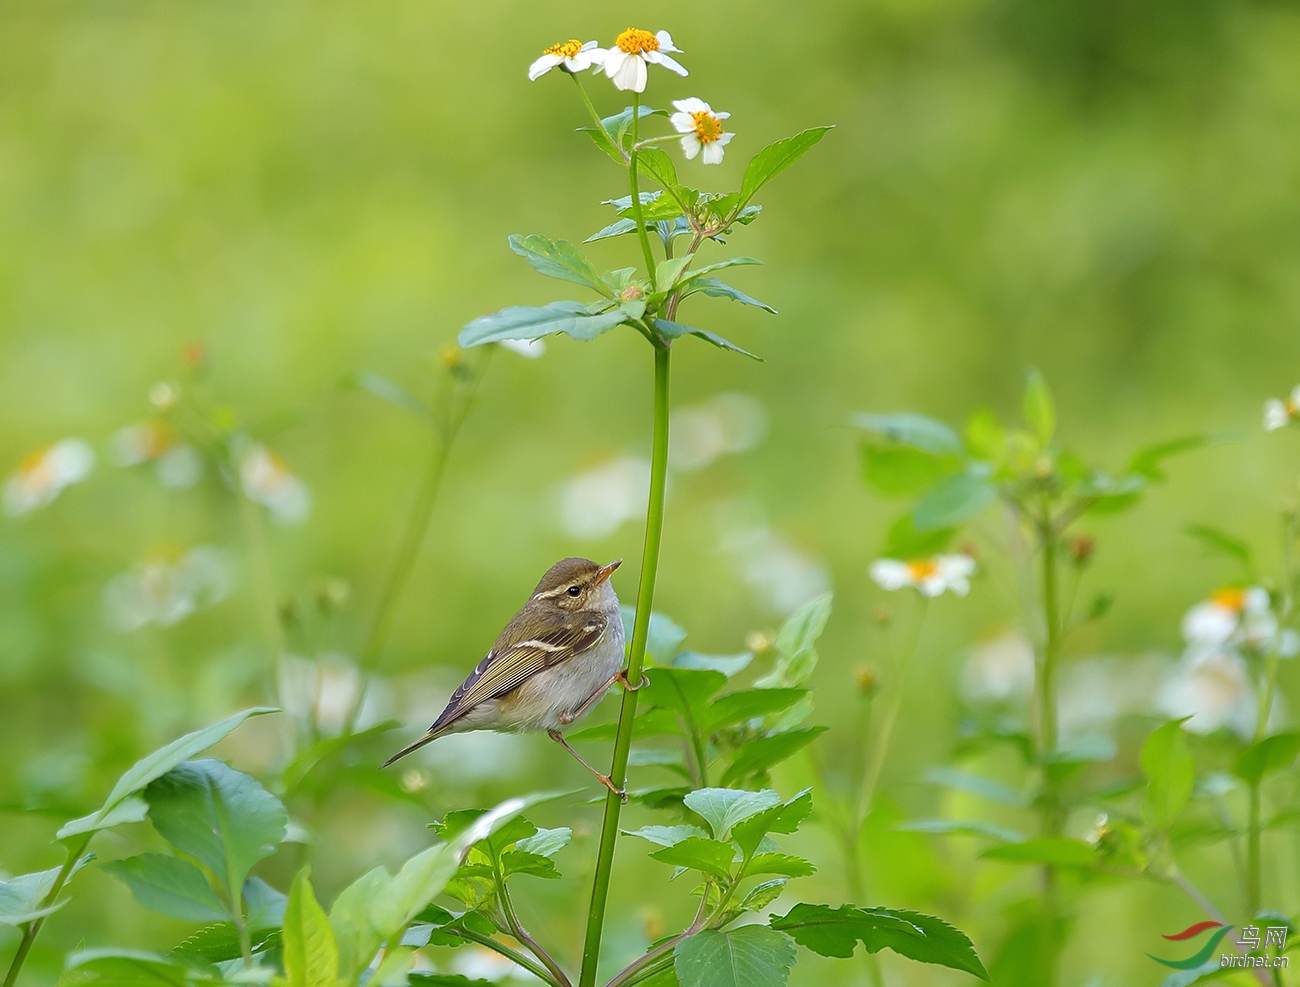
{"x":630,"y":75}
{"x":1295,"y":395}
{"x":713,"y":153}
{"x":596,"y":56}
{"x":690,"y":105}
{"x":71,"y":461}
{"x":690,"y":146}
{"x":725,"y":139}
{"x":670,"y":63}
{"x":614,"y":59}
{"x":682,"y":123}
{"x":543,"y":65}
{"x":665,"y":41}
{"x":1275,"y":415}
{"x":588,"y":46}
{"x":1208,"y":623}
{"x":1256,"y":600}
{"x":891,"y":574}
{"x":722,"y":115}
{"x":956,"y":566}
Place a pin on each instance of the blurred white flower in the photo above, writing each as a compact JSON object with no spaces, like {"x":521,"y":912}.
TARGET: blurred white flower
{"x":530,"y":348}
{"x":784,"y":576}
{"x":1212,"y":686}
{"x":596,"y":503}
{"x":44,"y":474}
{"x":572,"y":54}
{"x":625,"y":63}
{"x":322,"y":691}
{"x":478,"y":963}
{"x":1232,"y":616}
{"x":164,"y":395}
{"x":154,"y":441}
{"x":168,"y":587}
{"x":931,"y":576}
{"x":267,"y":480}
{"x":479,"y":756}
{"x":1279,"y":414}
{"x":999,"y":670}
{"x":701,"y":129}
{"x":726,"y":423}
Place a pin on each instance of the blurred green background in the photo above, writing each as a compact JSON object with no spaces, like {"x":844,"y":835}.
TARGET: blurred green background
{"x":1105,"y":190}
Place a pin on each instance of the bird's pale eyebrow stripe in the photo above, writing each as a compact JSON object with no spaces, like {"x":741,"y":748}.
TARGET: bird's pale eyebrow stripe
{"x":551,"y":592}
{"x":541,"y":646}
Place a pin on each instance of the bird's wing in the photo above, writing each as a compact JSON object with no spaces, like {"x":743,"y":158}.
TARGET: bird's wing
{"x":511,"y":662}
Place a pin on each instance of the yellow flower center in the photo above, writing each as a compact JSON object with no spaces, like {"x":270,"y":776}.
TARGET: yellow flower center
{"x":36,"y":467}
{"x":565,"y":49}
{"x":634,"y":41}
{"x":1230,"y":599}
{"x":923,"y":568}
{"x":708,"y":128}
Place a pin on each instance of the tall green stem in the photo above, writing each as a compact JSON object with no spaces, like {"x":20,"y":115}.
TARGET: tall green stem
{"x":1048,"y":739}
{"x":33,"y":928}
{"x":641,"y":232}
{"x":636,"y":656}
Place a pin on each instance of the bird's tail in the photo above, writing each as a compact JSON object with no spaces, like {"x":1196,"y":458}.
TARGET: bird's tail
{"x":432,"y":735}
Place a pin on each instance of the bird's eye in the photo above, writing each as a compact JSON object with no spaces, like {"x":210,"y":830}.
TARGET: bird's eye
{"x":574,"y":591}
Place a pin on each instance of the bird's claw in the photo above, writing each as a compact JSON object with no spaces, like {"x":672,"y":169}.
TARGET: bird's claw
{"x":608,"y":783}
{"x":621,"y":679}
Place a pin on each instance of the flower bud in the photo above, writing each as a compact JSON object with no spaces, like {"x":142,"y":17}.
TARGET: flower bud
{"x":758,"y":641}
{"x":1082,"y":550}
{"x":882,"y":614}
{"x":867,"y":679}
{"x":194,"y":355}
{"x":631,"y":293}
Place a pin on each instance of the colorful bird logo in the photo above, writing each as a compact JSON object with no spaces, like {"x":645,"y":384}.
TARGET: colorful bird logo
{"x":1191,"y":932}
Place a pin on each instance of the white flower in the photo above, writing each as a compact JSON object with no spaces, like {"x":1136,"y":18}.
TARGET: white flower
{"x":783,"y":575}
{"x":727,"y":423}
{"x":1212,"y":686}
{"x":168,"y":587}
{"x":321,"y":692}
{"x":44,"y":474}
{"x":572,"y":54}
{"x":999,"y":670}
{"x":701,"y":129}
{"x":625,"y":63}
{"x":267,"y":480}
{"x":530,"y":348}
{"x":931,"y":576}
{"x":1279,"y":414}
{"x":596,"y":503}
{"x":1231,"y":616}
{"x":155,"y":441}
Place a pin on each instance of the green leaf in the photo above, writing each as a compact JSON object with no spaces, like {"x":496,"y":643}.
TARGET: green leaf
{"x":129,"y":968}
{"x":1218,"y":542}
{"x":909,"y":429}
{"x":531,"y":322}
{"x":21,"y":897}
{"x":350,"y":918}
{"x":759,"y":755}
{"x":956,"y":500}
{"x":762,"y":895}
{"x":1275,"y":753}
{"x":385,"y":389}
{"x":664,"y":638}
{"x":219,"y":816}
{"x":714,"y":288}
{"x":616,"y":228}
{"x":985,"y":788}
{"x":156,"y":765}
{"x":310,"y":953}
{"x":722,"y":808}
{"x":737,"y":707}
{"x":780,"y":863}
{"x":675,"y":330}
{"x":710,"y":856}
{"x":1062,"y":851}
{"x":668,"y":835}
{"x":131,"y":809}
{"x":668,"y":271}
{"x":905,"y":542}
{"x":521,"y":862}
{"x":220,"y":943}
{"x":546,"y":842}
{"x":728,"y":665}
{"x":775,"y":158}
{"x":1149,"y":461}
{"x":903,"y":471}
{"x":986,"y":438}
{"x":685,"y":691}
{"x":750,"y":956}
{"x":1039,"y":409}
{"x":558,"y":259}
{"x":1171,"y":774}
{"x":962,"y":827}
{"x":445,"y":980}
{"x":795,"y":644}
{"x":837,"y":931}
{"x":721,"y":265}
{"x":169,"y":886}
{"x":657,"y":165}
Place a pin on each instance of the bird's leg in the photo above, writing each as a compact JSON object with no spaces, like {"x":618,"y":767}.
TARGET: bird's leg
{"x":621,"y":678}
{"x":587,"y":703}
{"x":603,"y":779}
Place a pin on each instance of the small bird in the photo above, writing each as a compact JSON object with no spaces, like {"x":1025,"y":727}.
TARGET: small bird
{"x":553,"y":662}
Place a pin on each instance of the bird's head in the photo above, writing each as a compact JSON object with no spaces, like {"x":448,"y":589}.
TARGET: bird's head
{"x":577,"y":584}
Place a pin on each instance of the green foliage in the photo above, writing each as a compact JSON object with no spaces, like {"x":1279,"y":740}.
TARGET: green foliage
{"x":1170,"y":772}
{"x":775,"y":158}
{"x":311,"y":955}
{"x":750,"y":956}
{"x":170,"y":886}
{"x":1268,"y":756}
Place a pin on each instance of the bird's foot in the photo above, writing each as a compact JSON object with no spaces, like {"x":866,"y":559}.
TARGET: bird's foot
{"x":620,"y":792}
{"x":621,"y":679}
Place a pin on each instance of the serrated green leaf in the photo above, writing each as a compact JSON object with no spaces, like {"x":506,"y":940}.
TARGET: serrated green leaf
{"x":1039,"y":409}
{"x":796,"y":644}
{"x":667,"y":835}
{"x":714,"y":288}
{"x":762,"y":895}
{"x":668,"y":271}
{"x":1063,"y":851}
{"x":955,"y":500}
{"x":675,"y":330}
{"x":658,"y":166}
{"x":837,"y":931}
{"x":534,"y":322}
{"x":546,"y":842}
{"x":131,"y":968}
{"x":722,"y":808}
{"x":698,"y":853}
{"x":219,"y":816}
{"x":775,"y":158}
{"x":169,"y":886}
{"x":1275,"y":753}
{"x":759,"y":755}
{"x":909,"y":429}
{"x":1171,"y":774}
{"x":558,"y":259}
{"x":750,"y":956}
{"x":522,"y":862}
{"x":780,"y":863}
{"x":310,"y":953}
{"x":737,"y":707}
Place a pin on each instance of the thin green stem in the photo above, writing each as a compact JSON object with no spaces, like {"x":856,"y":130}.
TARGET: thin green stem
{"x":263,"y":585}
{"x":631,"y":973}
{"x":636,"y":656}
{"x":33,"y":928}
{"x":641,"y":232}
{"x":880,"y":749}
{"x":1048,"y":737}
{"x":1253,"y":862}
{"x":540,"y":972}
{"x":517,"y":930}
{"x":591,"y":107}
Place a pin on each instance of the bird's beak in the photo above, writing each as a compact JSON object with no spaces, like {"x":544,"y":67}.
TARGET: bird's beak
{"x":605,"y":571}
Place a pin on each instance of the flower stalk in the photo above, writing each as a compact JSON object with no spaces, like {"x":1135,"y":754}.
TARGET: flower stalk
{"x":33,"y":928}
